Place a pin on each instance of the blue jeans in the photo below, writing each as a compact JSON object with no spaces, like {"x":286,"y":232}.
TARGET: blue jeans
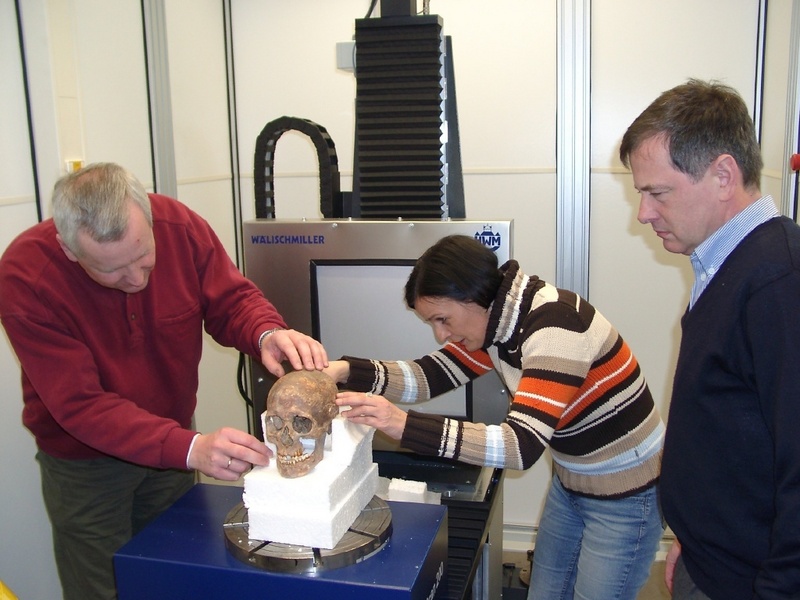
{"x":594,"y":549}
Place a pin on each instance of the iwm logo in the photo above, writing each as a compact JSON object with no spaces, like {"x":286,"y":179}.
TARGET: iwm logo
{"x":489,"y":238}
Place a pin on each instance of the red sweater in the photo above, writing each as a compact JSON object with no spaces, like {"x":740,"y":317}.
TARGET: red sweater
{"x":109,"y":373}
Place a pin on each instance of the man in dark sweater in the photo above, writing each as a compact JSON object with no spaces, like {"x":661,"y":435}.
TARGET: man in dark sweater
{"x":730,"y":477}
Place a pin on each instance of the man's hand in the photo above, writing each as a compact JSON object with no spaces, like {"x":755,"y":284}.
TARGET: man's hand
{"x":227,"y":453}
{"x":669,"y":563}
{"x":302,"y":352}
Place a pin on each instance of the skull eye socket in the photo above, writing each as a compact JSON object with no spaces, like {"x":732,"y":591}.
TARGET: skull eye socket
{"x":300,"y":424}
{"x":275,"y":422}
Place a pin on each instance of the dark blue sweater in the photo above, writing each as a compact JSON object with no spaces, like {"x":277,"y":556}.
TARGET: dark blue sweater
{"x":731,"y":467}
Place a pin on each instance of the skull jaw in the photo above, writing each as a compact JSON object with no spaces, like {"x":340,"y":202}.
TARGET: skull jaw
{"x":295,"y":462}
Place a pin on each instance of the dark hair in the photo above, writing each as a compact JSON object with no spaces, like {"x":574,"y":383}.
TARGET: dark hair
{"x":699,"y":121}
{"x":457,"y":267}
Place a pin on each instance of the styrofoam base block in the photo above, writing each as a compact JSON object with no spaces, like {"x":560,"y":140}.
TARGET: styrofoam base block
{"x":279,"y":520}
{"x":316,"y":509}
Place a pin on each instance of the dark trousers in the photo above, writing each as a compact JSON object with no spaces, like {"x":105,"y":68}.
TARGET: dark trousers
{"x":96,"y":506}
{"x":683,"y":588}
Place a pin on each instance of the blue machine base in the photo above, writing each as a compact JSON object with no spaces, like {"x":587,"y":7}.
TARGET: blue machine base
{"x":182,"y":554}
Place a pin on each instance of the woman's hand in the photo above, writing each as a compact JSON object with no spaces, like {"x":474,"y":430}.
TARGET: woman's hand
{"x":375,"y":411}
{"x":338,"y":370}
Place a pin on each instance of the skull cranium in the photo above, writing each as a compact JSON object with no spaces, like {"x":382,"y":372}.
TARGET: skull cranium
{"x":300,"y":408}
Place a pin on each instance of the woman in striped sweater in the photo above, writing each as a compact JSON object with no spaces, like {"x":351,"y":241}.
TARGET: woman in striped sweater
{"x":576,"y":388}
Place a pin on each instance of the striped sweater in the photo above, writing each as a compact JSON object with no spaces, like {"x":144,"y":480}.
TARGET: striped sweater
{"x":576,"y":388}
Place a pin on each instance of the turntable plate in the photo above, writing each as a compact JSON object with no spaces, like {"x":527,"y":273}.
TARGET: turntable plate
{"x":366,"y":536}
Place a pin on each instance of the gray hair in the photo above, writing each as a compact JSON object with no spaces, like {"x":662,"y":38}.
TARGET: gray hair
{"x":96,"y":200}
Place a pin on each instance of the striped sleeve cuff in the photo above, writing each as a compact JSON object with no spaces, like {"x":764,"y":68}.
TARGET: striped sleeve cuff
{"x":362,"y":375}
{"x":423,"y":433}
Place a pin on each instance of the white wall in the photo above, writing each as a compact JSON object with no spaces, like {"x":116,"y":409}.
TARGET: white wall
{"x":26,"y":558}
{"x":639,"y":286}
{"x":86,"y":64}
{"x":195,"y":35}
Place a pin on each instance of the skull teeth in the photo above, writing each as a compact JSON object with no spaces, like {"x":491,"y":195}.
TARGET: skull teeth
{"x":299,"y":455}
{"x":288,"y":459}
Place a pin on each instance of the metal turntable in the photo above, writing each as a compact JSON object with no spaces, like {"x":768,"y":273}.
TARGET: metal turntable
{"x":366,"y":536}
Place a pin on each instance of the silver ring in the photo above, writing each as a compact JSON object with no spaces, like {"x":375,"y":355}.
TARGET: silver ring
{"x":228,"y":466}
{"x":368,"y":394}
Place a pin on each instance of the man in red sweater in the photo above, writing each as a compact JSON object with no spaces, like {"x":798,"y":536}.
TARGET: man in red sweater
{"x":109,"y":341}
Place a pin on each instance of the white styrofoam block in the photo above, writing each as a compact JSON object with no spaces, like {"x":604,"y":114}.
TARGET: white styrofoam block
{"x":348,"y":437}
{"x":328,"y":482}
{"x":383,"y":493}
{"x":316,"y":509}
{"x":402,"y":490}
{"x":282,"y":522}
{"x":320,"y":490}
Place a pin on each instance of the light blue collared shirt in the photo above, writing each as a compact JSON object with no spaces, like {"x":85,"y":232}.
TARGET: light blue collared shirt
{"x":708,"y":257}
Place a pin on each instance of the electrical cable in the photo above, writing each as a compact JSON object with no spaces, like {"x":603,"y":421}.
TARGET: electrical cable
{"x":29,"y":114}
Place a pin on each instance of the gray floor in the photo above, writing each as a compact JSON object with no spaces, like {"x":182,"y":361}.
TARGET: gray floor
{"x":655,"y":589}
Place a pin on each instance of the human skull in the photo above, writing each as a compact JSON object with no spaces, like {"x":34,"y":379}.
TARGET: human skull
{"x":300,"y":408}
